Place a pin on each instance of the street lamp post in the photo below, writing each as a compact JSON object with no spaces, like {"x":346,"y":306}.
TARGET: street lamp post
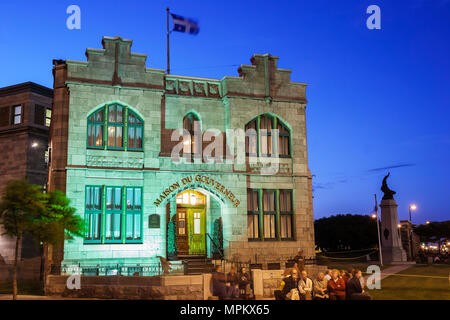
{"x":378,"y":230}
{"x":411,"y":207}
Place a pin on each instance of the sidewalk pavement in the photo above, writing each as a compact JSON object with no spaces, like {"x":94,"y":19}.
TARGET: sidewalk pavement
{"x":391,"y":270}
{"x":35,"y":297}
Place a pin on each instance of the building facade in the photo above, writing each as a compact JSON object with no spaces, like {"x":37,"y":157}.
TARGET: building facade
{"x":176,"y":166}
{"x":25,"y":115}
{"x":410,"y":240}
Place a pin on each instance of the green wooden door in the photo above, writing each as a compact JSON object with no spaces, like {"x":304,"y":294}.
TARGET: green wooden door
{"x":197,"y":231}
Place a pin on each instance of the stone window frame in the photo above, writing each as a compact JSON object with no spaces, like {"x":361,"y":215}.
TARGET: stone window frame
{"x":93,"y":213}
{"x":286,"y":213}
{"x":14,"y":114}
{"x":277,"y":212}
{"x":48,"y":117}
{"x":111,"y":212}
{"x":253,"y":212}
{"x":282,"y":134}
{"x":105,"y":123}
{"x":135,"y":210}
{"x":194,"y":148}
{"x":270,"y":213}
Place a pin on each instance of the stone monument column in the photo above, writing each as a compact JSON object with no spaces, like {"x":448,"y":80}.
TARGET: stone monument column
{"x":391,"y":243}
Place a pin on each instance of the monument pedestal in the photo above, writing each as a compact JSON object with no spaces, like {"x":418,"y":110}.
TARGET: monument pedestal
{"x":391,"y":243}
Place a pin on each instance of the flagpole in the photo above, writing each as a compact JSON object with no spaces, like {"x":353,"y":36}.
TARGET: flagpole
{"x":168,"y":51}
{"x":378,"y":229}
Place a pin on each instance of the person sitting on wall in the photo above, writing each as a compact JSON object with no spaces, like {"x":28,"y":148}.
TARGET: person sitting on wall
{"x":344,"y":276}
{"x":221,"y":288}
{"x":233,"y":282}
{"x":328,"y":275}
{"x":305,"y":286}
{"x":289,"y":287}
{"x":336,"y":286}
{"x":300,"y":260}
{"x":320,"y":287}
{"x":245,"y":284}
{"x":354,"y":288}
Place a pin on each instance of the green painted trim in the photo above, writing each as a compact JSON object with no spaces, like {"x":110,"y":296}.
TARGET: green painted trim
{"x":258,"y":136}
{"x":274,"y":141}
{"x":278,"y":218}
{"x":103,"y":227}
{"x":261,"y":215}
{"x":124,"y":212}
{"x":125,"y":133}
{"x":105,"y":128}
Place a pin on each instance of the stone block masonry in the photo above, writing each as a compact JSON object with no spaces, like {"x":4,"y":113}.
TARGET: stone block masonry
{"x":100,"y":153}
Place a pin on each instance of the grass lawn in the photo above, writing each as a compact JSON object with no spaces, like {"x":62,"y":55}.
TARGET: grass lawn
{"x":27,"y":287}
{"x":415,"y":283}
{"x":354,"y":265}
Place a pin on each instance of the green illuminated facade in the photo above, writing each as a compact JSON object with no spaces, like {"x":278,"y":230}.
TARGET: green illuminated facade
{"x":112,"y":137}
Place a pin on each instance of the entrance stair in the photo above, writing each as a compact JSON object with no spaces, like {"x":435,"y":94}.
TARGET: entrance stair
{"x":197,"y":265}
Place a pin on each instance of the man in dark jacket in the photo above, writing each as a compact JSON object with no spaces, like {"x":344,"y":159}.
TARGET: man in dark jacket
{"x":290,"y":282}
{"x":354,"y":288}
{"x":221,"y":287}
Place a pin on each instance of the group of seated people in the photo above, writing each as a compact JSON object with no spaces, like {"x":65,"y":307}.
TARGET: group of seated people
{"x":334,"y":285}
{"x":232,"y":285}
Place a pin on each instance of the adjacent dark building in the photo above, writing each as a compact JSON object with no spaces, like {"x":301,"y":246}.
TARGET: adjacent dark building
{"x":410,"y":240}
{"x":25,"y":116}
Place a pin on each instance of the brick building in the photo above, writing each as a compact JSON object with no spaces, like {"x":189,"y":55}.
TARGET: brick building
{"x":25,"y":115}
{"x":118,"y":128}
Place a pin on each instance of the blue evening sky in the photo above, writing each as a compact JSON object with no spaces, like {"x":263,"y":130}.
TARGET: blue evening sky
{"x":379,"y":100}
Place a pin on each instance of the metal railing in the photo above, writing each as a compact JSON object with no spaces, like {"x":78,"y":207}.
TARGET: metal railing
{"x":219,"y":250}
{"x":153,"y":269}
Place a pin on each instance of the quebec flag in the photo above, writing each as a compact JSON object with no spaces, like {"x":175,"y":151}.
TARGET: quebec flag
{"x":186,"y":25}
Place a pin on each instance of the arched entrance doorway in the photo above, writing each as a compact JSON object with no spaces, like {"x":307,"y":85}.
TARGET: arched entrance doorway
{"x":194,"y":225}
{"x":191,"y":223}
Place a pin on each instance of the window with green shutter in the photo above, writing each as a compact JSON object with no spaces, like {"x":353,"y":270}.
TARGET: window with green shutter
{"x":93,"y":214}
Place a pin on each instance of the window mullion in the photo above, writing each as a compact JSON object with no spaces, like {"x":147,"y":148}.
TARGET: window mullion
{"x":277,"y":217}
{"x":274,"y":141}
{"x":261,"y":215}
{"x":125,"y":133}
{"x":105,"y":130}
{"x":103,"y":214}
{"x":258,"y":136}
{"x":124,"y":213}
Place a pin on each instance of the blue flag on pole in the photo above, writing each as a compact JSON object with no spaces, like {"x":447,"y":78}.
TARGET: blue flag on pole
{"x":186,"y":25}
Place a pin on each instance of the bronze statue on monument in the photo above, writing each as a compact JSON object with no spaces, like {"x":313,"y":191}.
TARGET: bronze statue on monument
{"x":392,"y":248}
{"x":388,"y":193}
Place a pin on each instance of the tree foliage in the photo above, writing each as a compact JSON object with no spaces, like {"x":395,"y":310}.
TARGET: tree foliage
{"x":47,"y":217}
{"x":346,"y":232}
{"x":58,"y":221}
{"x":433,"y":231}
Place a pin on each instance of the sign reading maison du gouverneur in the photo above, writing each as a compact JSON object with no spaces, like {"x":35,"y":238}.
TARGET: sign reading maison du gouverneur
{"x":201,"y":180}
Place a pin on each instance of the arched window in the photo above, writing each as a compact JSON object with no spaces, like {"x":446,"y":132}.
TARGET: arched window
{"x":251,"y":139}
{"x":258,"y":137}
{"x":191,"y":124}
{"x":95,"y":129}
{"x":109,"y":132}
{"x":134,"y":132}
{"x":284,"y":149}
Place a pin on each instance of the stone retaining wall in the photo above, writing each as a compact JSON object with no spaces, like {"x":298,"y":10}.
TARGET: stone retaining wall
{"x":172,"y":287}
{"x":192,"y":287}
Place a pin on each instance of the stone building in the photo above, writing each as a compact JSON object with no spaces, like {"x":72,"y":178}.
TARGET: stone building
{"x":410,"y":240}
{"x":25,"y":115}
{"x":130,"y":148}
